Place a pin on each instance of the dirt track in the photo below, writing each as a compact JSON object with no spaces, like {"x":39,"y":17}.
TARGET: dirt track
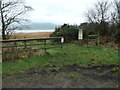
{"x":67,"y":77}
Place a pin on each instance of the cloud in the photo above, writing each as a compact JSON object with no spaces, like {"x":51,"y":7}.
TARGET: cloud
{"x":59,"y":11}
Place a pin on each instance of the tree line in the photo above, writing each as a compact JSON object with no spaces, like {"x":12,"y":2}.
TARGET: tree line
{"x":103,"y":19}
{"x":105,"y":16}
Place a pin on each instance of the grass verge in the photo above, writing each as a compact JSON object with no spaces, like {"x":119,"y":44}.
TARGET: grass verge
{"x":69,"y":55}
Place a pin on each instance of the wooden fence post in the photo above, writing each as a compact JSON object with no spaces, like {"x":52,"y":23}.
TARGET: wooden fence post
{"x":25,"y":44}
{"x":87,"y":41}
{"x":15,"y":52}
{"x":98,"y":40}
{"x":45,"y":45}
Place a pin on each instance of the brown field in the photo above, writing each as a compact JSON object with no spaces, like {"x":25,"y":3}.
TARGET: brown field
{"x":30,"y":35}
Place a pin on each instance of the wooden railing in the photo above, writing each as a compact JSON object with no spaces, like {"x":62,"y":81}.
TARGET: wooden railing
{"x":30,"y":45}
{"x":31,"y":42}
{"x":92,"y":38}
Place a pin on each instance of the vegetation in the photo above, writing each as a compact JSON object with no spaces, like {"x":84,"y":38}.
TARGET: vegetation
{"x":71,"y":54}
{"x":117,"y":37}
{"x":11,"y":14}
{"x":101,"y":21}
{"x":69,"y":32}
{"x":105,"y":21}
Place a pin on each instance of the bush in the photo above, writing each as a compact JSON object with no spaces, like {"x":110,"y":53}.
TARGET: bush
{"x":117,"y":37}
{"x":69,"y":32}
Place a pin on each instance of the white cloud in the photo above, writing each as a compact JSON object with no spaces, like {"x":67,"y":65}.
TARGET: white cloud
{"x":59,"y":11}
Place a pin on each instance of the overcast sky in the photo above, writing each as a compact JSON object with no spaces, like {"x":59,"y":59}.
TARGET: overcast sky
{"x":59,"y":11}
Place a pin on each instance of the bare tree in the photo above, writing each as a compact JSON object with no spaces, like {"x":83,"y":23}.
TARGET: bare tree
{"x":117,"y":20}
{"x":91,"y":16}
{"x":11,"y":13}
{"x":115,"y":17}
{"x":117,"y":11}
{"x":100,"y":15}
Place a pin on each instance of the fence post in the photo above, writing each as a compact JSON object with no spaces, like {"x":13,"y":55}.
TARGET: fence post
{"x":98,"y":41}
{"x":16,"y":54}
{"x":15,"y":43}
{"x":87,"y":41}
{"x":45,"y":45}
{"x":25,"y":44}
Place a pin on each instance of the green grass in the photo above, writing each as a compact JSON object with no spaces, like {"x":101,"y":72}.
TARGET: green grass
{"x":70,"y":54}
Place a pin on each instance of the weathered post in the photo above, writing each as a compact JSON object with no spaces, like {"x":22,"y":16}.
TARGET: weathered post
{"x":80,"y":36}
{"x":25,"y":45}
{"x":45,"y":45}
{"x":98,"y":39}
{"x":15,"y":50}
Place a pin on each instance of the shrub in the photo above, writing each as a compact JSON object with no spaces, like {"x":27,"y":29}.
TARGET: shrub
{"x":69,"y":32}
{"x":117,"y":37}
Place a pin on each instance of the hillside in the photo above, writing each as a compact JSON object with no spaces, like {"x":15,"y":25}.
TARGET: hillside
{"x":42,"y":25}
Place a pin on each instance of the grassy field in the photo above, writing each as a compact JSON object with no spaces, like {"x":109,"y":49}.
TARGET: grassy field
{"x":70,"y":54}
{"x":30,"y":35}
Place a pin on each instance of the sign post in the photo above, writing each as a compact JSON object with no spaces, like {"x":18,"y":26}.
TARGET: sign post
{"x":62,"y":41}
{"x":80,"y":34}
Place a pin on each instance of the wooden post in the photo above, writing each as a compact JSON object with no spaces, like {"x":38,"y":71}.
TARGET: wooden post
{"x":25,"y":44}
{"x":87,"y":41}
{"x":98,"y":41}
{"x":45,"y":45}
{"x":15,"y":43}
{"x":15,"y":51}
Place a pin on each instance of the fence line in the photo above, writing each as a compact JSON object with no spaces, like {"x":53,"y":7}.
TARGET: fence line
{"x":93,"y":38}
{"x":16,"y":43}
{"x":11,"y":49}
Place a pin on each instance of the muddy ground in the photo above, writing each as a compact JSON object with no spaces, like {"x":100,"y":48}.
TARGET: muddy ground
{"x":70,"y":76}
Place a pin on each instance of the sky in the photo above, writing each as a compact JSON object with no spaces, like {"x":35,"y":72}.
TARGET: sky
{"x":59,"y":11}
